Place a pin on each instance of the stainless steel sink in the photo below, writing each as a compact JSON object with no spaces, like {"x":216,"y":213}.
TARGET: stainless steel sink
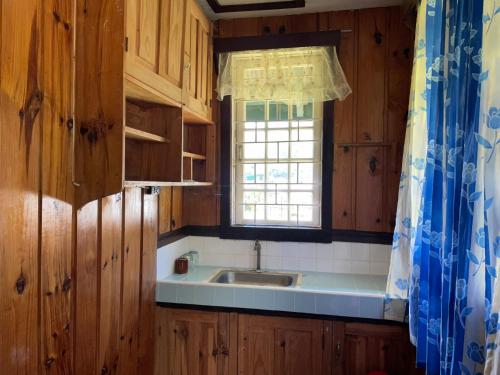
{"x":255,"y":278}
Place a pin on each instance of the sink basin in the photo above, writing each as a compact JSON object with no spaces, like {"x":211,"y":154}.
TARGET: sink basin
{"x":255,"y":278}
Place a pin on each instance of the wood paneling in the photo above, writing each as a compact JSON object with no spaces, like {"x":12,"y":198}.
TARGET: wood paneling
{"x":147,"y":284}
{"x":110,"y":283}
{"x":370,"y":97}
{"x":87,"y":281}
{"x":399,"y":67}
{"x":20,"y":131}
{"x":99,"y":98}
{"x":376,"y":56}
{"x":56,"y":280}
{"x":165,"y":210}
{"x":177,"y":214}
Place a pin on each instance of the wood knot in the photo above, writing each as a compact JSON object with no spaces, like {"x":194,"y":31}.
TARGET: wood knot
{"x":106,"y":263}
{"x":20,"y":284}
{"x":56,"y":15}
{"x":96,"y":128}
{"x":104,"y":370}
{"x":66,"y":284}
{"x":69,"y":123}
{"x":54,"y":335}
{"x":49,"y":361}
{"x":66,"y":327}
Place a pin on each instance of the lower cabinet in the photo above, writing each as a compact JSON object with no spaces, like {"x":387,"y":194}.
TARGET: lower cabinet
{"x":207,"y":343}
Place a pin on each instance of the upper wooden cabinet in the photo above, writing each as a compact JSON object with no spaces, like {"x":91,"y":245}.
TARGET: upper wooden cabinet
{"x":168,"y":56}
{"x":153,"y":56}
{"x":198,"y":64}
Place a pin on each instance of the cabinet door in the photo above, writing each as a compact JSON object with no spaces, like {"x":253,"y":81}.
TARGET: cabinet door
{"x":191,"y":342}
{"x":371,"y":347}
{"x":153,"y":60}
{"x":165,"y":210}
{"x":198,"y":58}
{"x":276,"y":345}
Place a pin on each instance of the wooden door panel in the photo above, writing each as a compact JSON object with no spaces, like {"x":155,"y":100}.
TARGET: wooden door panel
{"x":295,"y":352}
{"x":171,"y":34}
{"x":165,"y":210}
{"x":147,"y":32}
{"x":177,"y":202}
{"x":189,"y":342}
{"x":369,"y":188}
{"x":370,"y":94}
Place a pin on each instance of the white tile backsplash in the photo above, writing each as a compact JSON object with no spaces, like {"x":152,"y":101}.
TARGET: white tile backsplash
{"x":339,"y":257}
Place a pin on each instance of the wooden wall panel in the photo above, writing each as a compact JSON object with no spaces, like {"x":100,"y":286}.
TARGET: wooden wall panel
{"x":87,"y":281}
{"x":165,"y":210}
{"x":110,"y":283}
{"x":131,"y":258}
{"x":148,"y":284}
{"x":372,"y":39}
{"x":370,"y":188}
{"x":99,"y":98}
{"x":344,"y":181}
{"x":20,"y":102}
{"x":399,"y":68}
{"x":57,"y":191}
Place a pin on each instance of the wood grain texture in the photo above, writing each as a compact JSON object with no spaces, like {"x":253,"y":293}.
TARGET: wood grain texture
{"x":278,"y":345}
{"x":131,"y":266}
{"x":99,"y":99}
{"x":149,"y":236}
{"x":87,"y":286}
{"x":399,"y":68}
{"x":110,"y":283}
{"x":177,"y":203}
{"x":370,"y":98}
{"x":21,"y":99}
{"x":165,"y":210}
{"x":56,"y":280}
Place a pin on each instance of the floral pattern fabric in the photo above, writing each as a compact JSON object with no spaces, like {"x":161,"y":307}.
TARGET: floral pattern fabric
{"x":446,"y":249}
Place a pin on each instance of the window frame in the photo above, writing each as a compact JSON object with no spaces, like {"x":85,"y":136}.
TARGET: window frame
{"x":270,"y":233}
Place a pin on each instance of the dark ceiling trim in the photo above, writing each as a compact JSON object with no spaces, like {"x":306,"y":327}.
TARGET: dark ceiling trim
{"x":217,"y":8}
{"x":249,"y":43}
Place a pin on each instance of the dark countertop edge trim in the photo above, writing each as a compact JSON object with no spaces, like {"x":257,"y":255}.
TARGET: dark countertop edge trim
{"x":214,"y":231}
{"x":279,"y":313}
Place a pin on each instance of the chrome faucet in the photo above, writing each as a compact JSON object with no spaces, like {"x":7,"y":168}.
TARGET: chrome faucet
{"x":257,"y":247}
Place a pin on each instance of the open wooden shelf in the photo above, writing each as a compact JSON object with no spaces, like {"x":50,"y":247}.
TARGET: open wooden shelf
{"x":193,"y":156}
{"x":164,"y":183}
{"x":141,"y":135}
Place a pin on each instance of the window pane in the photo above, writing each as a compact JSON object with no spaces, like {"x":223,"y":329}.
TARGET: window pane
{"x":303,"y":111}
{"x":283,"y":150}
{"x":253,"y":197}
{"x":255,"y":111}
{"x":249,"y":136}
{"x":248,"y":212}
{"x":306,"y":173}
{"x":301,"y":198}
{"x":305,"y":213}
{"x":277,"y":135}
{"x":260,"y":212}
{"x":302,"y":150}
{"x":277,"y":213}
{"x":249,"y":173}
{"x":261,"y":136}
{"x":254,"y":151}
{"x":260,"y":173}
{"x":278,"y":111}
{"x":272,"y":150}
{"x":277,"y":173}
{"x":306,"y":134}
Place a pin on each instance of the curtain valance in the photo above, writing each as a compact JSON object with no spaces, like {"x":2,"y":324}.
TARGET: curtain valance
{"x":298,"y":74}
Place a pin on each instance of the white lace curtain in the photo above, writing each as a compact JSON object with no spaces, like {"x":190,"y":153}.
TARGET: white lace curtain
{"x":300,"y":75}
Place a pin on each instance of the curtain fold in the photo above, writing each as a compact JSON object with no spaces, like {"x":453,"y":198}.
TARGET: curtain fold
{"x":301,"y":75}
{"x":446,"y":248}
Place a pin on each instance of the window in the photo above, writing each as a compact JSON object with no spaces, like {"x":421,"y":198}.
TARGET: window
{"x":276,"y":163}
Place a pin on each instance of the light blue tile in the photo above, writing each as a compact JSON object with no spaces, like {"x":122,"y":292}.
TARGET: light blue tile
{"x":325,"y":303}
{"x":204,"y":295}
{"x":264,"y":299}
{"x":345,"y":305}
{"x":371,"y":307}
{"x":304,"y":303}
{"x":224,"y":297}
{"x":166,"y":292}
{"x":283,"y":301}
{"x":185,"y":293}
{"x":243,"y":297}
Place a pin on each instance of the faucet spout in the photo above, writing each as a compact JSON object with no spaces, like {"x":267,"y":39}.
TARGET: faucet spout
{"x":257,"y":247}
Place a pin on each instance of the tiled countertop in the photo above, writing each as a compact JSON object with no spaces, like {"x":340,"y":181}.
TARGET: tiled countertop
{"x":351,"y":295}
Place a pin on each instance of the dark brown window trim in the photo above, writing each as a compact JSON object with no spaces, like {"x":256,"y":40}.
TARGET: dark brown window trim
{"x":249,"y":7}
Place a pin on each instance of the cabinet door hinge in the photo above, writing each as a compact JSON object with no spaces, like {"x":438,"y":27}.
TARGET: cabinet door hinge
{"x":126,"y":44}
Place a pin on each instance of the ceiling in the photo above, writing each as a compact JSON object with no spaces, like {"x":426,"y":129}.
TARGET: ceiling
{"x":312,"y":6}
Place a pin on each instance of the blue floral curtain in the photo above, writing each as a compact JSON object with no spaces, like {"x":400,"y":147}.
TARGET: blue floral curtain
{"x":446,"y":249}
